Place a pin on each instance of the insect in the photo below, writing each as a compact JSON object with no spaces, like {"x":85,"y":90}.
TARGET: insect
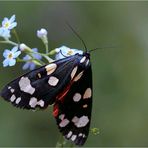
{"x":66,"y":83}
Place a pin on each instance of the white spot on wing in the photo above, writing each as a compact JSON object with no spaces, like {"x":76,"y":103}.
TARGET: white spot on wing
{"x":53,"y":81}
{"x":12,"y":90}
{"x":85,"y":106}
{"x":50,"y":68}
{"x":39,"y":75}
{"x":77,"y":97}
{"x":62,"y":116}
{"x":41,"y":103}
{"x":13,"y":97}
{"x":33,"y":102}
{"x":9,"y":87}
{"x":64,"y":122}
{"x":78,"y":76}
{"x":74,"y":72}
{"x":82,"y":121}
{"x":18,"y":100}
{"x":83,"y":59}
{"x":69,"y":134}
{"x":25,"y":85}
{"x":80,"y":134}
{"x":75,"y":119}
{"x":87,"y":62}
{"x":84,"y":136}
{"x":87,"y":93}
{"x":73,"y":137}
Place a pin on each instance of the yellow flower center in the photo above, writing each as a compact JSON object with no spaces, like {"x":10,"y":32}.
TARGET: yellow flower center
{"x":10,"y":56}
{"x":7,"y":24}
{"x":70,"y":52}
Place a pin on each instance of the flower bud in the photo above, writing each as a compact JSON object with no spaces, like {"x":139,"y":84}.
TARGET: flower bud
{"x":24,"y":47}
{"x":42,"y":33}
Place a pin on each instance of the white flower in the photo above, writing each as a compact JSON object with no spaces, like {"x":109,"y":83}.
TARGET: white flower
{"x":42,"y":33}
{"x":9,"y":23}
{"x":5,"y":33}
{"x":64,"y":51}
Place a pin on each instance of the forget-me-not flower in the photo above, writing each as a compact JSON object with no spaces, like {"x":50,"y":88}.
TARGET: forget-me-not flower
{"x":10,"y":56}
{"x":9,"y":23}
{"x":5,"y":33}
{"x":29,"y":64}
{"x":64,"y":51}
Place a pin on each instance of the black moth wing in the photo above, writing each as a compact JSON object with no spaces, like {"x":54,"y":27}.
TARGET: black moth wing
{"x":73,"y":110}
{"x":39,"y":87}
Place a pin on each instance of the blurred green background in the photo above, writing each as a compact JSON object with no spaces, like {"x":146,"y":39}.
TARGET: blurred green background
{"x":120,"y":74}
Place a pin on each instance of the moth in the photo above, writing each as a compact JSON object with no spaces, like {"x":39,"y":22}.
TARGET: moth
{"x":67,"y":84}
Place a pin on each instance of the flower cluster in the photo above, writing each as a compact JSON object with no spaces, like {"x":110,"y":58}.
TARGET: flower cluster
{"x":32,"y":56}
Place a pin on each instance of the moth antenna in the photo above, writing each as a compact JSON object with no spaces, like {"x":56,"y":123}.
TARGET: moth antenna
{"x":77,"y":36}
{"x":102,"y":48}
{"x":63,"y":54}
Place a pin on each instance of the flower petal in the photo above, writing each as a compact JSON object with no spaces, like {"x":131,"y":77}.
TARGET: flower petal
{"x":5,"y":33}
{"x":32,"y":66}
{"x":5,"y":62}
{"x":4,"y":21}
{"x":27,"y":57}
{"x":12,"y":19}
{"x":35,"y":49}
{"x":64,"y":51}
{"x":6,"y":53}
{"x":36,"y":55}
{"x":77,"y":51}
{"x":16,"y":54}
{"x":13,"y":25}
{"x":59,"y":56}
{"x":26,"y":65}
{"x":14,"y":49}
{"x":12,"y":62}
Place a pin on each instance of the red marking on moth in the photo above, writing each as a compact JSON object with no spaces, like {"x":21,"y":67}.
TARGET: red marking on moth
{"x":55,"y":111}
{"x":64,"y":92}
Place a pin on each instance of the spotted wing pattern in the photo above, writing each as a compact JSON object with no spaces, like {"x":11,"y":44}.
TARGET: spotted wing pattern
{"x":39,"y":87}
{"x":68,"y":84}
{"x":72,"y":109}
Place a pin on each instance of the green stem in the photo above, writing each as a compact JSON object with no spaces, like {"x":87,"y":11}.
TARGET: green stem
{"x":46,"y":46}
{"x":37,"y":62}
{"x":43,"y":55}
{"x":16,"y":36}
{"x":9,"y":42}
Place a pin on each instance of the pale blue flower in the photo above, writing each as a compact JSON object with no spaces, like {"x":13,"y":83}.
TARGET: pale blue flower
{"x":42,"y":33}
{"x":29,"y":64}
{"x":64,"y":51}
{"x":10,"y":56}
{"x":9,"y":23}
{"x":5,"y":33}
